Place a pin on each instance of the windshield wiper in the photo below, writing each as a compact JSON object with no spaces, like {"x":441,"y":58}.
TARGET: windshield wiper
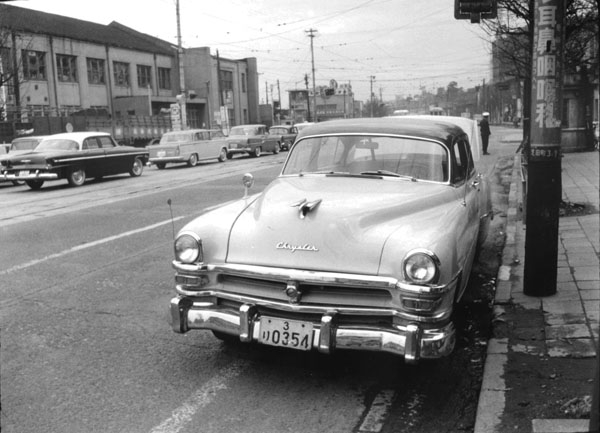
{"x":388,"y":173}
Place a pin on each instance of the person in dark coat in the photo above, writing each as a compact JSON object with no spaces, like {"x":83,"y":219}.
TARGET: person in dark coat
{"x":484,"y":127}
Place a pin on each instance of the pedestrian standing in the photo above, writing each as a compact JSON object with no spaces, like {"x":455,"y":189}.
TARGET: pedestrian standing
{"x":484,"y":127}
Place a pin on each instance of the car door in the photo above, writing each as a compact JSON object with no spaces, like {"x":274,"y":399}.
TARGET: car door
{"x":93,"y":157}
{"x":467,"y":182}
{"x":117,"y":158}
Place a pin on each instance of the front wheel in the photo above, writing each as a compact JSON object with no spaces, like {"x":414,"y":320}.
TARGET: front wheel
{"x":193,"y":160}
{"x":76,"y":177}
{"x":137,"y":168}
{"x":223,"y":155}
{"x":257,"y":151}
{"x":34,"y":184}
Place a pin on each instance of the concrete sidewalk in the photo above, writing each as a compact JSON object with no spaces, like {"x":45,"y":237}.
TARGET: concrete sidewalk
{"x":568,"y":324}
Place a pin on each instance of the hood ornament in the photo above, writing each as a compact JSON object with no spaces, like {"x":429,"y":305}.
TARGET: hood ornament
{"x":304,"y":206}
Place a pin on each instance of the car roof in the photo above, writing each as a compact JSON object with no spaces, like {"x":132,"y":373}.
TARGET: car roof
{"x":434,"y":129}
{"x":75,"y":136}
{"x":30,"y":137}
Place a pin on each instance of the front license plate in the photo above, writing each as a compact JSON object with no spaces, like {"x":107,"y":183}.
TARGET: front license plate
{"x":286,"y":333}
{"x":24,"y":173}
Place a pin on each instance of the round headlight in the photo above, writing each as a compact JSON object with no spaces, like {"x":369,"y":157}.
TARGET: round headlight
{"x":421,"y":267}
{"x":188,"y":249}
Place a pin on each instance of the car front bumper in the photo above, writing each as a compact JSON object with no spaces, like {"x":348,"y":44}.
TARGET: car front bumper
{"x":232,"y":299}
{"x":411,"y":341}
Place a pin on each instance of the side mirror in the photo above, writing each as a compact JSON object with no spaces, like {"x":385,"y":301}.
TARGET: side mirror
{"x":247,"y":181}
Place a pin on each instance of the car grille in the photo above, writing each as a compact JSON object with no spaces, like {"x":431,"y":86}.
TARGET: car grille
{"x":312,"y":294}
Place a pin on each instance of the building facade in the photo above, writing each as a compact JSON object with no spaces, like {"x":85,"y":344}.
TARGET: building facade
{"x":327,"y":102}
{"x":53,"y":65}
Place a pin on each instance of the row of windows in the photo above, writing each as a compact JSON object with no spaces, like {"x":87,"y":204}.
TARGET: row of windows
{"x":34,"y":68}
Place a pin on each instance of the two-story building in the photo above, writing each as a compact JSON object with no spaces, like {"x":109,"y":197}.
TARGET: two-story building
{"x":53,"y":65}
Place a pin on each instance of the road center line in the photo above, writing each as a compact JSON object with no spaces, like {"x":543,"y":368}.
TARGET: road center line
{"x":199,"y":399}
{"x":88,"y":245}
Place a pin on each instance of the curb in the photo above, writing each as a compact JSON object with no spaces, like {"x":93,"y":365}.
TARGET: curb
{"x":490,"y":407}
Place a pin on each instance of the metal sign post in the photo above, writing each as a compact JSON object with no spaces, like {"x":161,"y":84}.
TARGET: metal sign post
{"x":544,"y":189}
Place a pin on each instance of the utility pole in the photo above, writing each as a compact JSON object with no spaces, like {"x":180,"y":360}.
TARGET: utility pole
{"x":311,"y":35}
{"x":371,"y":78}
{"x":182,"y":97}
{"x":307,"y":98}
{"x":544,"y":188}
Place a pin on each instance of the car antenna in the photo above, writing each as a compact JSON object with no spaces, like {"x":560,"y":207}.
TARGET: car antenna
{"x":172,"y":221}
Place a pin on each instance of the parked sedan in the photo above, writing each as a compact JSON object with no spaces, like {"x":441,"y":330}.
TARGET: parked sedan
{"x":189,"y":146}
{"x":287,"y":135}
{"x":21,"y":145}
{"x":365,"y":241}
{"x":74,"y":156}
{"x":252,"y":140}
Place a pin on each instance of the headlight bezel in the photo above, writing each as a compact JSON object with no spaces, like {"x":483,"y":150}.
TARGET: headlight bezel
{"x":421,"y":260}
{"x":192,"y":251}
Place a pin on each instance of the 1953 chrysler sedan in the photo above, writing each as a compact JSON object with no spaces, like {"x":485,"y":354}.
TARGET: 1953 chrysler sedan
{"x":365,"y":241}
{"x":74,"y":156}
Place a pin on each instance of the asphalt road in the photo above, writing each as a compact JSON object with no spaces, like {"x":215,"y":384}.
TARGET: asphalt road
{"x":85,"y":281}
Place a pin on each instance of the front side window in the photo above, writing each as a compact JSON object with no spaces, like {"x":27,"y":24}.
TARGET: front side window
{"x":95,"y":71}
{"x":164,"y":78}
{"x":144,"y":76}
{"x":121,"y":73}
{"x":365,"y":155}
{"x":34,"y":65}
{"x":66,"y":68}
{"x":463,"y":160}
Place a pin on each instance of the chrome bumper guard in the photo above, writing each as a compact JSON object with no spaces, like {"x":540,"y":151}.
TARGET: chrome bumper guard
{"x":412,"y":341}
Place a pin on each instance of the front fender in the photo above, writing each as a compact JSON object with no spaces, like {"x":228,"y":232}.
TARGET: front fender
{"x":214,"y":227}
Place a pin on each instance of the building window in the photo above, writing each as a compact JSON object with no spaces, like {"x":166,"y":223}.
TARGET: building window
{"x":226,"y":80}
{"x":243,"y":83}
{"x":164,"y":78}
{"x":121,"y":73}
{"x":66,"y":68}
{"x":144,"y":76}
{"x":95,"y":71}
{"x":34,"y":65}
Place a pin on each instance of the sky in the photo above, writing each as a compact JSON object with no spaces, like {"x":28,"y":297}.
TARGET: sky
{"x":405,"y":45}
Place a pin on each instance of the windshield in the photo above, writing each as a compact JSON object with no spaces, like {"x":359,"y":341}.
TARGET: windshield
{"x":243,"y":130}
{"x":58,"y":144}
{"x":25,"y":144}
{"x":174,"y":138}
{"x":370,"y":156}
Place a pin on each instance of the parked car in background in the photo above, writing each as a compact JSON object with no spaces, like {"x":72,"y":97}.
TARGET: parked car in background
{"x":301,"y":126}
{"x":252,"y":140}
{"x":74,"y":156}
{"x":287,"y":135}
{"x":189,"y":146}
{"x":365,"y":241}
{"x":21,"y":145}
{"x":24,"y":144}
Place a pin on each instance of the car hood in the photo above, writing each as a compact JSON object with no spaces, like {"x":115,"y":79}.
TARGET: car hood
{"x":347,"y":229}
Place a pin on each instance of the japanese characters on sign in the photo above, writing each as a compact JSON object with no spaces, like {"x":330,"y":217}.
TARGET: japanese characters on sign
{"x":546,"y":68}
{"x":547,"y":82}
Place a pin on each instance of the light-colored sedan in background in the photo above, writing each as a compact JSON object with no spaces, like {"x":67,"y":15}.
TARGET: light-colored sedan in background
{"x":252,"y":140}
{"x":365,"y":241}
{"x":189,"y":147}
